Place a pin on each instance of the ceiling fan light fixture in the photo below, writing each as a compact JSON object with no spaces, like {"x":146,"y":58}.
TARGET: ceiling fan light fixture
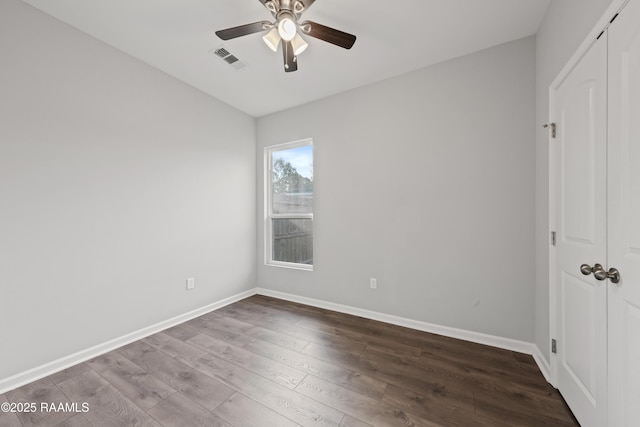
{"x":299,"y":45}
{"x":287,"y":28}
{"x":272,"y":39}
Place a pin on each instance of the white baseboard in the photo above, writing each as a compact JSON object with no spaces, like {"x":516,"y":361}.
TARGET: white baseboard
{"x":477,"y":337}
{"x":544,"y":366}
{"x":47,"y":369}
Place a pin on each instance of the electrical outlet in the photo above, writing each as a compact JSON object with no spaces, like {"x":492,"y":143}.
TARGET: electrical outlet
{"x":373,"y":283}
{"x":191,"y":283}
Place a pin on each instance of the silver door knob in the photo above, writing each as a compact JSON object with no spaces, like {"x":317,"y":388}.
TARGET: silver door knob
{"x":586,"y":269}
{"x":613,"y":274}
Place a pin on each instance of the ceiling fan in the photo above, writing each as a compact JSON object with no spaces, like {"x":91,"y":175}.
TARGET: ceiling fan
{"x":287,"y":29}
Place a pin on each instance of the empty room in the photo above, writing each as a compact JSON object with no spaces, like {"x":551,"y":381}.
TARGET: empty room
{"x":319,"y":213}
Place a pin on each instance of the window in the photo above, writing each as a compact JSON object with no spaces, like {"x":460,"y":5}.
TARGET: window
{"x":289,"y":195}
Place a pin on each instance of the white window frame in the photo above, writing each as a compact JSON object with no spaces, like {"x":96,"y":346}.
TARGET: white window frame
{"x":269,"y":215}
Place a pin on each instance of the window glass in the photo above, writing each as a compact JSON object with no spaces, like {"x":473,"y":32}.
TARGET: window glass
{"x":290,"y":198}
{"x":292,"y":180}
{"x":293,"y":240}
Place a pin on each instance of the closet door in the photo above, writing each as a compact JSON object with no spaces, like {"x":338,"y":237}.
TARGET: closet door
{"x":624,"y":217}
{"x":581,"y":300}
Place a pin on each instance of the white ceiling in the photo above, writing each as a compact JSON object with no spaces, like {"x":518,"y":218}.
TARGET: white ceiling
{"x":393,"y":38}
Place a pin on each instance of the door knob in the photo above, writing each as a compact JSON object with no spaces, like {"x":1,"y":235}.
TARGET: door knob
{"x":586,"y":269}
{"x":613,"y":274}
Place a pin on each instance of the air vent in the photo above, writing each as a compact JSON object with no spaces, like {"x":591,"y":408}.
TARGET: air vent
{"x":230,"y":59}
{"x":221,"y":52}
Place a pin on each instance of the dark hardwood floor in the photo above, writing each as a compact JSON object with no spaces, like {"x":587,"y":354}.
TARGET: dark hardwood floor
{"x":265,"y":362}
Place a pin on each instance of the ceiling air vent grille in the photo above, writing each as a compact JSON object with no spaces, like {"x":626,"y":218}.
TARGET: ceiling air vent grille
{"x":230,"y":59}
{"x":221,"y":52}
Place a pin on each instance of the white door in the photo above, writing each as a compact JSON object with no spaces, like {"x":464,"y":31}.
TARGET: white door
{"x":581,"y":206}
{"x":624,"y":217}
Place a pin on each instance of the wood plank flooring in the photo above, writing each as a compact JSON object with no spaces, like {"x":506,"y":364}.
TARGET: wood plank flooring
{"x":265,"y":362}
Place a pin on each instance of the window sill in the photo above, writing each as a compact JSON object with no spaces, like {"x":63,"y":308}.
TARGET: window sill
{"x":290,"y":265}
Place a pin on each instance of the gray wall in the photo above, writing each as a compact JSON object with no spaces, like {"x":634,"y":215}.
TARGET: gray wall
{"x":566,"y":24}
{"x":425,"y":181}
{"x":117,"y":182}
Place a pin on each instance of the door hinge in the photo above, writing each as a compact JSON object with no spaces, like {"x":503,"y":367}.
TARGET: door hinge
{"x":553,"y":238}
{"x":553,"y":129}
{"x":554,"y":346}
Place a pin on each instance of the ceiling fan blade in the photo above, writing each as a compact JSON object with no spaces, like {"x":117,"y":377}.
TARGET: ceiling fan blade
{"x":243,"y":30}
{"x":290,"y":60}
{"x":330,"y":35}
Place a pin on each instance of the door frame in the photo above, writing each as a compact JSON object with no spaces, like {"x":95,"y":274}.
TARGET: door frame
{"x":603,"y":23}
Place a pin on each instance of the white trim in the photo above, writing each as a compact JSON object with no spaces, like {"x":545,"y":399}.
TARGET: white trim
{"x":616,"y":6}
{"x":553,"y":185}
{"x":292,"y":216}
{"x":290,"y":265}
{"x":293,"y":144}
{"x":34,"y":374}
{"x":50,"y":368}
{"x":477,"y":337}
{"x":542,"y":363}
{"x":269,"y":216}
